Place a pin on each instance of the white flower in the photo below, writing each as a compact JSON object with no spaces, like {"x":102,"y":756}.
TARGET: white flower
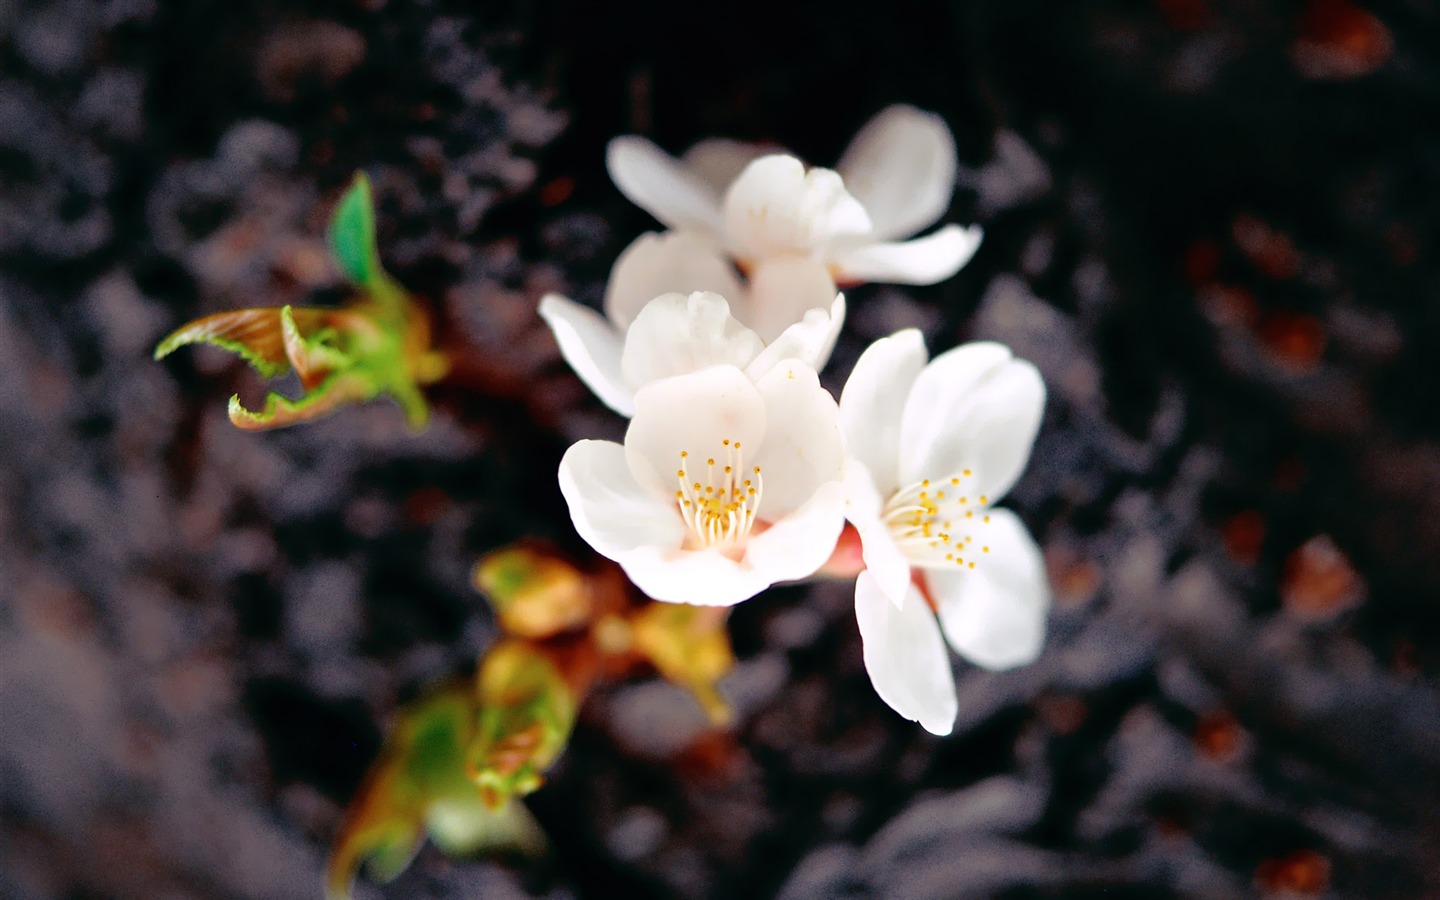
{"x":724,"y":485}
{"x":676,"y":333}
{"x":895,"y":178}
{"x":931,"y":448}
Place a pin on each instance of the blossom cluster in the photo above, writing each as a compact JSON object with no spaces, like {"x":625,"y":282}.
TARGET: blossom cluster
{"x":739,"y":470}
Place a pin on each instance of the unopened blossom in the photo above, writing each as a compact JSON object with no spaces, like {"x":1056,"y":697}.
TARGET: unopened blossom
{"x":676,"y":333}
{"x":895,"y":178}
{"x":931,"y":448}
{"x":725,"y":484}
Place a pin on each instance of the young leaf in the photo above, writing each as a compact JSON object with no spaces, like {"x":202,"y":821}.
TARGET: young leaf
{"x":352,"y":235}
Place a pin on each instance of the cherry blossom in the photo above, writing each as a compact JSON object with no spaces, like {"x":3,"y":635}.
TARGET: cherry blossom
{"x":676,"y":333}
{"x":725,"y":483}
{"x":894,"y":179}
{"x":932,"y":447}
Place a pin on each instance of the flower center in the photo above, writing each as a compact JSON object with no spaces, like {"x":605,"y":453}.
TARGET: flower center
{"x":935,"y":524}
{"x":720,"y":503}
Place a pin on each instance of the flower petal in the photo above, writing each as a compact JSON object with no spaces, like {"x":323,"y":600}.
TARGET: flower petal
{"x":926,"y":260}
{"x":697,"y":577}
{"x":776,"y":208}
{"x":905,"y":656}
{"x":901,"y":167}
{"x":676,"y":334}
{"x":975,"y":408}
{"x":656,"y":182}
{"x":655,"y":264}
{"x":873,"y":402}
{"x":994,"y":614}
{"x":694,"y":414}
{"x":803,"y":447}
{"x":798,"y":545}
{"x":783,"y":290}
{"x":610,"y":509}
{"x":809,"y":340}
{"x":883,"y":558}
{"x":592,"y":348}
{"x":719,"y":161}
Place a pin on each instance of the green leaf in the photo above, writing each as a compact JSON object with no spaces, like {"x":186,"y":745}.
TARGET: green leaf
{"x":352,"y":235}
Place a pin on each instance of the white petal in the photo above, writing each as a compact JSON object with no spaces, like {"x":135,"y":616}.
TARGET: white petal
{"x":975,"y":408}
{"x":673,"y":262}
{"x":776,"y":208}
{"x":657,"y":183}
{"x":883,"y":558}
{"x":994,"y":614}
{"x":873,"y":401}
{"x":926,"y":260}
{"x":905,"y":656}
{"x":798,"y":545}
{"x":901,"y":167}
{"x":592,"y":347}
{"x":803,"y":447}
{"x":694,"y":414}
{"x":783,"y":289}
{"x":809,"y":340}
{"x":697,"y":577}
{"x":676,"y":334}
{"x":719,"y":161}
{"x":611,"y":511}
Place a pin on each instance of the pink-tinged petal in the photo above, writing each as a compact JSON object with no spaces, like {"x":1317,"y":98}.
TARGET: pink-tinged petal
{"x":610,"y":509}
{"x":994,"y":614}
{"x":592,"y":348}
{"x":696,"y":577}
{"x":657,"y":183}
{"x":883,"y":558}
{"x":926,"y":260}
{"x":673,"y":262}
{"x":873,"y":402}
{"x":676,"y":334}
{"x":719,"y":161}
{"x":809,"y":340}
{"x":973,"y":408}
{"x":797,"y":546}
{"x":901,"y":167}
{"x":803,"y":446}
{"x":693,"y":414}
{"x":783,"y":289}
{"x":776,"y":208}
{"x":905,"y":656}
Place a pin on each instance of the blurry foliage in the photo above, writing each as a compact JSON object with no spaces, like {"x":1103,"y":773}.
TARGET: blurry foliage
{"x":379,"y":344}
{"x":458,"y":760}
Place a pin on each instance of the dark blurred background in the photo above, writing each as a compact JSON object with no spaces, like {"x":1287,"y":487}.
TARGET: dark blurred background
{"x":1206,"y":222}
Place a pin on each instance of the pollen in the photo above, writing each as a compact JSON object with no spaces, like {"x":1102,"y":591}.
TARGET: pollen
{"x":933,"y":528}
{"x":720,"y":509}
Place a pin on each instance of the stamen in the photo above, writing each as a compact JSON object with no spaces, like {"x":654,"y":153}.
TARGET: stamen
{"x":922,"y":522}
{"x":721,"y":509}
